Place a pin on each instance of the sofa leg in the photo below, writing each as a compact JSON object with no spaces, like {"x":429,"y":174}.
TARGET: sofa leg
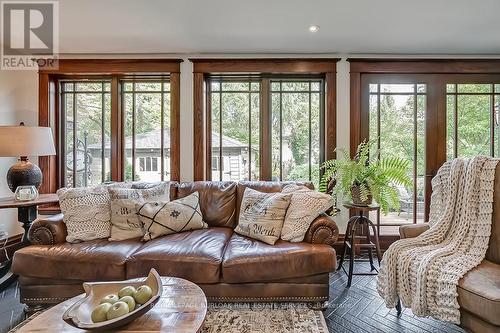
{"x":398,"y":307}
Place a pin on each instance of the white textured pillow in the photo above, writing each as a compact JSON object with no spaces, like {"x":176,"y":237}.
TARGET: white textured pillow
{"x":305,"y":206}
{"x":164,"y":218}
{"x":262,"y":215}
{"x":86,"y":212}
{"x":124,"y":221}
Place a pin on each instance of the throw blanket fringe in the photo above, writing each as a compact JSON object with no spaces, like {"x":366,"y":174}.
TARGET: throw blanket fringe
{"x":424,"y":271}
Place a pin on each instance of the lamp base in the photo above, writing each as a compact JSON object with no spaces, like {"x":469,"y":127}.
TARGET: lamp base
{"x":24,"y":173}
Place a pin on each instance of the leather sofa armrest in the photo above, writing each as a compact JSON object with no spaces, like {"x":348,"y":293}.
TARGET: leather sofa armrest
{"x":48,"y":230}
{"x":323,"y":230}
{"x":412,"y":230}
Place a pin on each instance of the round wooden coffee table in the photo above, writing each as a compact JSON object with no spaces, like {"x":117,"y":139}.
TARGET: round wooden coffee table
{"x":181,"y":309}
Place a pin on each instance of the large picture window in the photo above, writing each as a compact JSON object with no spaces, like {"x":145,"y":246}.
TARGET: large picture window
{"x":113,"y":120}
{"x":259,"y":125}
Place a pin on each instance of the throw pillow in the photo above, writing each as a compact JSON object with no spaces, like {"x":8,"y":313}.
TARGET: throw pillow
{"x":164,"y":218}
{"x":305,"y":206}
{"x":262,"y":215}
{"x":124,"y":221}
{"x":86,"y":212}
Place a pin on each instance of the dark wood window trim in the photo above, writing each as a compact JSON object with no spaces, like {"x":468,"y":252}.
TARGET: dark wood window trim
{"x":92,"y":68}
{"x":204,"y":67}
{"x":436,"y":72}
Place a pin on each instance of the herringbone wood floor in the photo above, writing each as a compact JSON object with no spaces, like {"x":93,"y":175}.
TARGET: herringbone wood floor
{"x":357,"y":309}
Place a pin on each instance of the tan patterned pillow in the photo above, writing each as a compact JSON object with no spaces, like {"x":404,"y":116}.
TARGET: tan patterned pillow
{"x":86,"y":212}
{"x":124,"y":221}
{"x":262,"y":215}
{"x":163,"y":218}
{"x":305,"y":206}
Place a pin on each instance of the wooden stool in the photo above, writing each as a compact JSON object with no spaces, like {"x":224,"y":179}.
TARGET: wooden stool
{"x":353,"y":224}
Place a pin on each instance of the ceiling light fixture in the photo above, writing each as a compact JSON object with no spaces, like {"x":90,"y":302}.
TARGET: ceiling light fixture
{"x":314,"y":28}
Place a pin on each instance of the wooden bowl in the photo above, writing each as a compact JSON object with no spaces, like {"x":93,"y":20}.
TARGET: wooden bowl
{"x":78,"y":315}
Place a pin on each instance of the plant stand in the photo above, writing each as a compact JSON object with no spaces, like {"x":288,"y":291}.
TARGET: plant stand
{"x":355,"y":223}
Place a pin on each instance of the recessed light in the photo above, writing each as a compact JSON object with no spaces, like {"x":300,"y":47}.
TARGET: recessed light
{"x":314,"y":28}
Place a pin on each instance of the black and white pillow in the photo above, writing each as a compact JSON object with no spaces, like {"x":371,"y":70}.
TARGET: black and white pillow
{"x":163,"y":218}
{"x":124,"y":221}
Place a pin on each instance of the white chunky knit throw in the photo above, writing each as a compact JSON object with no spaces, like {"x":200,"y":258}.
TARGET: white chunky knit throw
{"x":424,"y":271}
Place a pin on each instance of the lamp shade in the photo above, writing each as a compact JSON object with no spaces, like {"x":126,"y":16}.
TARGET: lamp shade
{"x":26,"y":141}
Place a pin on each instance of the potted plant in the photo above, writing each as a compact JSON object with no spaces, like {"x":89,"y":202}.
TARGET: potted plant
{"x":366,"y":177}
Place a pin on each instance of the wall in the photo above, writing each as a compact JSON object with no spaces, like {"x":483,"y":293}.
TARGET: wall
{"x":18,"y":102}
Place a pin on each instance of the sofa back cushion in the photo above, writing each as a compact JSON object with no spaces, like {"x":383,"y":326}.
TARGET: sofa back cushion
{"x":264,"y":186}
{"x":493,"y":253}
{"x":217,"y":201}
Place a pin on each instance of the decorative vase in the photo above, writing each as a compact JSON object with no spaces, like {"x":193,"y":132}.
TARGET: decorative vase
{"x":356,"y":197}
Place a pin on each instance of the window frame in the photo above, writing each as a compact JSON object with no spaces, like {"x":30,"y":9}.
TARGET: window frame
{"x":202,"y":68}
{"x":116,"y":69}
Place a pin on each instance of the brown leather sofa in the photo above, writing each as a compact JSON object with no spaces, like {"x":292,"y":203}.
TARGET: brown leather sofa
{"x":479,"y":289}
{"x":227,"y":266}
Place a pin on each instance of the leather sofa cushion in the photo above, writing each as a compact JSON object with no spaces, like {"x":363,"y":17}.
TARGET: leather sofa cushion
{"x":479,"y":292}
{"x":217,"y":201}
{"x":193,"y":255}
{"x":263,"y":186}
{"x":95,"y":260}
{"x":248,"y":260}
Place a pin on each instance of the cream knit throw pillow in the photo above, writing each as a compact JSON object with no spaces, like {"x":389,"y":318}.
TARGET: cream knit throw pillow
{"x":86,"y":212}
{"x":424,"y":271}
{"x":305,"y":206}
{"x":262,"y":215}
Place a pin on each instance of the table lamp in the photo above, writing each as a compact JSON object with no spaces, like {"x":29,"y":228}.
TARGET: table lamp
{"x":23,"y":141}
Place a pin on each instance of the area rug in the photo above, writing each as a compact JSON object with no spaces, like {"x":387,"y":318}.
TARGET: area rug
{"x":263,"y":318}
{"x":254,"y":318}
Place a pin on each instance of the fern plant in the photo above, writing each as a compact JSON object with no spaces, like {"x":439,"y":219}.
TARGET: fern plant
{"x":370,"y":176}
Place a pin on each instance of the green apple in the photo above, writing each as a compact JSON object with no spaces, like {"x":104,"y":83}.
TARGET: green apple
{"x":100,"y":312}
{"x":111,"y":299}
{"x":143,"y":294}
{"x":117,"y":310}
{"x":126,"y":291}
{"x":130,"y":302}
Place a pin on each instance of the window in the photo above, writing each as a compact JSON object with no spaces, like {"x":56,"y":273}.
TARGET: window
{"x":146,"y":110}
{"x":397,"y":124}
{"x":113,"y":120}
{"x":86,"y":122}
{"x":235,"y":106}
{"x":263,"y":125}
{"x":473,"y":119}
{"x":148,"y":164}
{"x":297,"y":129}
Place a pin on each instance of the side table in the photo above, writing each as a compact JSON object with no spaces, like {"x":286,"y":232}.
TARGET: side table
{"x":361,"y":221}
{"x":26,"y":214}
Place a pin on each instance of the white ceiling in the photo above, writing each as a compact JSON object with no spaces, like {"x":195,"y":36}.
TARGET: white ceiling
{"x":280,"y":26}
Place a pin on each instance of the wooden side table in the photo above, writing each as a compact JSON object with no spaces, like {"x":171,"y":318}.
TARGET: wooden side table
{"x":362,"y":222}
{"x":26,"y":214}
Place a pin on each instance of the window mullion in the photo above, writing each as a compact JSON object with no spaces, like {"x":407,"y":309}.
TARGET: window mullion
{"x":265,"y":144}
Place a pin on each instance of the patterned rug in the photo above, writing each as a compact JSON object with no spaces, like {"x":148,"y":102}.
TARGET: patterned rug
{"x":254,"y":318}
{"x":263,"y":318}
